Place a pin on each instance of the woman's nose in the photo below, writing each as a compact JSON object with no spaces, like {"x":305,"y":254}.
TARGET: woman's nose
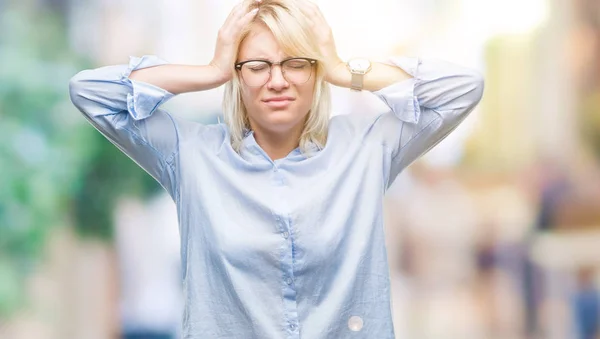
{"x":277,"y":79}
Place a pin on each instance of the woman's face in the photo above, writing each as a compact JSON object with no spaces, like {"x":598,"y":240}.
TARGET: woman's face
{"x":279,"y":105}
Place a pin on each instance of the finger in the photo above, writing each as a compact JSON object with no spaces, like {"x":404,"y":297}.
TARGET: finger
{"x":236,"y":13}
{"x":233,"y":12}
{"x":308,"y":7}
{"x":317,"y":10}
{"x":312,"y":12}
{"x":233,"y":30}
{"x":247,"y":18}
{"x":239,"y":17}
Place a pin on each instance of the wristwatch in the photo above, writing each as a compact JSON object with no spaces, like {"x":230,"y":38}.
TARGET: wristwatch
{"x":358,"y":68}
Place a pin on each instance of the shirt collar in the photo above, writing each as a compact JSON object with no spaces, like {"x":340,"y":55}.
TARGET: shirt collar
{"x":251,"y":147}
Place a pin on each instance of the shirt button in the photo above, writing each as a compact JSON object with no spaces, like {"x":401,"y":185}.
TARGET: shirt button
{"x":286,"y":234}
{"x":355,"y":323}
{"x":288,"y":281}
{"x":293,"y":327}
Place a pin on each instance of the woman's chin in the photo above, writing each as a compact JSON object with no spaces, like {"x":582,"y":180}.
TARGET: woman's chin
{"x":281,"y":121}
{"x":282,"y":117}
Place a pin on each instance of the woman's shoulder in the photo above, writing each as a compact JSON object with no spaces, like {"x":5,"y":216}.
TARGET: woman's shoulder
{"x":196,"y":131}
{"x":352,"y":122}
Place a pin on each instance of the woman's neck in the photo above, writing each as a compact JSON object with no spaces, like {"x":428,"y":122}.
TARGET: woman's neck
{"x":278,"y":145}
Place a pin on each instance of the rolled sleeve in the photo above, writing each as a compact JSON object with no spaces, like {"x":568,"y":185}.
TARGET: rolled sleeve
{"x":425,"y":108}
{"x":400,"y":97}
{"x":127,"y":113}
{"x":144,"y":98}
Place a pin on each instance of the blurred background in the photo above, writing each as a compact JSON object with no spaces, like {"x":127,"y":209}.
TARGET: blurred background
{"x":89,"y":243}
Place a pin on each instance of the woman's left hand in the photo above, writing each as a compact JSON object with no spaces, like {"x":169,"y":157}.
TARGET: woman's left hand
{"x":334,"y":66}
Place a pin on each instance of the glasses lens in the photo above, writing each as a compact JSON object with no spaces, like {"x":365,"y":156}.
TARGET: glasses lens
{"x":297,"y":71}
{"x":255,"y":73}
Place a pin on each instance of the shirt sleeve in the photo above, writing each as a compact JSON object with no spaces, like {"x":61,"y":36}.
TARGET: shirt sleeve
{"x":425,"y":108}
{"x":127,"y":113}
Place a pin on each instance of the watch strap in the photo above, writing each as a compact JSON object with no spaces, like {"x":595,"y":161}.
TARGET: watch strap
{"x":357,"y":81}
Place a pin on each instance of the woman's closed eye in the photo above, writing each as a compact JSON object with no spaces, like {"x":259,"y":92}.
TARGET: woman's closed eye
{"x":259,"y":67}
{"x":299,"y":65}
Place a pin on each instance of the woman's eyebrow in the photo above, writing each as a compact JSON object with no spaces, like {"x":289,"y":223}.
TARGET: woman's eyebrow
{"x":262,"y":57}
{"x":255,"y":58}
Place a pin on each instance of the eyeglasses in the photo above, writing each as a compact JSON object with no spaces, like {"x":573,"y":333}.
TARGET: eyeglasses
{"x":256,"y":73}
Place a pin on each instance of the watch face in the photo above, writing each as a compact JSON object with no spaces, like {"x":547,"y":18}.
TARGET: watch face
{"x":360,"y":65}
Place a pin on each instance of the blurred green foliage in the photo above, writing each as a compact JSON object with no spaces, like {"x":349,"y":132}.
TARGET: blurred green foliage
{"x":55,"y":169}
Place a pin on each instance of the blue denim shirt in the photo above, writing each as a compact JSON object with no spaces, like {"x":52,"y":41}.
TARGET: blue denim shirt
{"x":291,"y":248}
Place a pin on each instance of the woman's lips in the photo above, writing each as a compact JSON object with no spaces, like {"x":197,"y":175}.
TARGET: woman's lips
{"x":279,"y":102}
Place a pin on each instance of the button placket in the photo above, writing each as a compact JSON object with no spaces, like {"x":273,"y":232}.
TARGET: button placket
{"x":287,"y":282}
{"x":283,"y":224}
{"x":278,"y":176}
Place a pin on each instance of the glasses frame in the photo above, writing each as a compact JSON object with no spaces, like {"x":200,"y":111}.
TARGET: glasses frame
{"x":312,"y":62}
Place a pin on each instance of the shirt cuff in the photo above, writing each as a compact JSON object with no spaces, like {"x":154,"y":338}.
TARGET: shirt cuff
{"x":400,"y":97}
{"x":144,"y":98}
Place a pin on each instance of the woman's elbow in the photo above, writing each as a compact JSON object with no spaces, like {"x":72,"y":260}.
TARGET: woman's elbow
{"x":76,"y":89}
{"x":476,"y":85}
{"x":469,"y":92}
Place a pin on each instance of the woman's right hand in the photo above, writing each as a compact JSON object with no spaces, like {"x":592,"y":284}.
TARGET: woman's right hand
{"x":229,"y":33}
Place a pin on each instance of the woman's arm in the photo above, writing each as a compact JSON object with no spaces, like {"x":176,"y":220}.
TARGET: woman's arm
{"x":122,"y":101}
{"x":427,"y":98}
{"x":182,"y":78}
{"x":179,"y":79}
{"x":336,"y":71}
{"x":380,"y":76}
{"x":127,"y":113}
{"x":424,"y":109}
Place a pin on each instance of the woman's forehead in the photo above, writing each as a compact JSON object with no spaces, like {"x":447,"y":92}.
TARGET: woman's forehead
{"x":261,"y":44}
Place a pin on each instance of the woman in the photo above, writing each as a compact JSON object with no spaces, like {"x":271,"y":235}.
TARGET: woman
{"x":280,"y":208}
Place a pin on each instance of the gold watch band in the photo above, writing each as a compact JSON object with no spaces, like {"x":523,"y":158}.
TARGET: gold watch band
{"x":357,"y":82}
{"x":358,"y":68}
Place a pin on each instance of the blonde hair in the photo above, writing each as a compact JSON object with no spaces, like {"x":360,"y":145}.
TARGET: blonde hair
{"x":291,"y":30}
